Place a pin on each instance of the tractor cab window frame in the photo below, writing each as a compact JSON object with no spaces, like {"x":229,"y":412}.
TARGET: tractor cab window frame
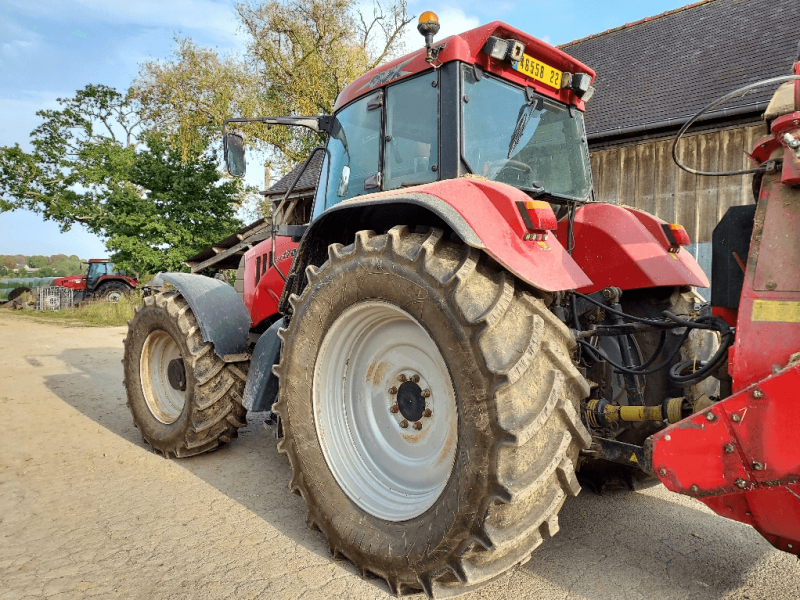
{"x":361,"y":136}
{"x":96,"y":271}
{"x":418,"y":144}
{"x":412,"y":123}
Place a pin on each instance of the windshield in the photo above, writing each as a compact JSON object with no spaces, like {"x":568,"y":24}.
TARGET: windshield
{"x":524,"y":141}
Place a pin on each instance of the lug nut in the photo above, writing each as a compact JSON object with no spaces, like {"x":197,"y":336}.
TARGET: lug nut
{"x":415,"y":378}
{"x":741,"y":484}
{"x":758,"y":394}
{"x":426,"y":393}
{"x":694,"y":489}
{"x":757,"y":466}
{"x":417,"y":425}
{"x":392,"y":390}
{"x":710,"y":416}
{"x":427,"y":412}
{"x":735,"y":417}
{"x":729,"y":448}
{"x":404,"y":423}
{"x":394,"y":409}
{"x":662,"y":472}
{"x":401,"y":377}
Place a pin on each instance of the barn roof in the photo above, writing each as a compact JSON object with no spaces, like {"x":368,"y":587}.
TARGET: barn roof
{"x":307,"y":181}
{"x":661,"y":70}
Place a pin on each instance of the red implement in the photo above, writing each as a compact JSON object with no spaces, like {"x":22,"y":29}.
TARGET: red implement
{"x":740,"y":457}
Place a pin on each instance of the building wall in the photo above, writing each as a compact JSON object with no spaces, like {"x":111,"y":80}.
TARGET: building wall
{"x":644,"y":176}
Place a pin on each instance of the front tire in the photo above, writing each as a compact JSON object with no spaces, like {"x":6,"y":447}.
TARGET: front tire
{"x":452,"y":505}
{"x":184,"y":399}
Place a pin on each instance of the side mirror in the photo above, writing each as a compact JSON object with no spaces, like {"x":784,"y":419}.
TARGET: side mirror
{"x":234,"y":154}
{"x":343,"y":182}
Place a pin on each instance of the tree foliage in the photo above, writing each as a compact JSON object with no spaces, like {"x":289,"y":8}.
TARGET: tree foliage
{"x":37,"y":262}
{"x":92,"y":163}
{"x":300,"y":55}
{"x":80,"y":156}
{"x":186,"y":208}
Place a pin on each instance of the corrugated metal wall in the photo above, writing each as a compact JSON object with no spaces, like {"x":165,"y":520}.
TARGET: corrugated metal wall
{"x":644,"y":176}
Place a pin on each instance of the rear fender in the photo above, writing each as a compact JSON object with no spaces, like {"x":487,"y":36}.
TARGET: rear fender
{"x":483,"y":214}
{"x":220,"y":313}
{"x":627,"y":248}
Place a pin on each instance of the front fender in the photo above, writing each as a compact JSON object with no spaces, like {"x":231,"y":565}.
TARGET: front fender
{"x":220,"y":313}
{"x":482,"y":213}
{"x":627,"y":248}
{"x":261,"y":389}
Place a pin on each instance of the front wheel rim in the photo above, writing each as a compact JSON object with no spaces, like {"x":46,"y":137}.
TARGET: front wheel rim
{"x":375,"y":365}
{"x":164,"y":401}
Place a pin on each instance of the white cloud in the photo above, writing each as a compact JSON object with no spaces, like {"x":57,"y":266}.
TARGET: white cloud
{"x":215,"y":18}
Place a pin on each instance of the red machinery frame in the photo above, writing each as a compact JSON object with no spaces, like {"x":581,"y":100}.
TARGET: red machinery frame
{"x":741,"y":456}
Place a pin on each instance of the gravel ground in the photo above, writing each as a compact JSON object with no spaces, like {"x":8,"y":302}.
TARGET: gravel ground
{"x":87,"y":510}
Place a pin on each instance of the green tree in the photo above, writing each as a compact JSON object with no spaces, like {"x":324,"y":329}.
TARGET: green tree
{"x":149,"y":201}
{"x":300,"y":55}
{"x":37,"y":262}
{"x":9,"y":262}
{"x":187,"y":207}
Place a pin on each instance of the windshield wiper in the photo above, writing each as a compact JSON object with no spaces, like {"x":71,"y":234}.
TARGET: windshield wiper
{"x":532,"y":103}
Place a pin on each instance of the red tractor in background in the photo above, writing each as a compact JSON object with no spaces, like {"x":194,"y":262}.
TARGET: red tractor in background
{"x":101,"y":281}
{"x":454,"y":337}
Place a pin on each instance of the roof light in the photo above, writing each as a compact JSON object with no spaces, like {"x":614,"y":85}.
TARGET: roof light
{"x":501,"y":49}
{"x":579,"y":83}
{"x":428,"y":26}
{"x":496,"y":47}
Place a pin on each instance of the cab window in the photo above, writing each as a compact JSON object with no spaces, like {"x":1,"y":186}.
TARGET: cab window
{"x":411,"y":152}
{"x":352,"y":162}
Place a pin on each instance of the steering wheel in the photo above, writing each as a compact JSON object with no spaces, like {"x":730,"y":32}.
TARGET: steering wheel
{"x":496,"y":166}
{"x":518,"y":165}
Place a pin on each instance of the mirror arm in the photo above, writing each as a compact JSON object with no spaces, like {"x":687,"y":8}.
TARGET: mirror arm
{"x":289,"y":190}
{"x":318,"y":124}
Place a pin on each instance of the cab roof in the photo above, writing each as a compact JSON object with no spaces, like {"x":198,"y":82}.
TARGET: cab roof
{"x":468,"y":48}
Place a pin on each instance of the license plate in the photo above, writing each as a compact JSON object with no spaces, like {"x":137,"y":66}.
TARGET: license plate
{"x":539,"y":71}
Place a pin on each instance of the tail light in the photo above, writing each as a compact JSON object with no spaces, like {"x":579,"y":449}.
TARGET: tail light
{"x":676,"y":235}
{"x":537,"y":215}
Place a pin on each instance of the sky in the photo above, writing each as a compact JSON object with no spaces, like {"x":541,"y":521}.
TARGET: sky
{"x":51,"y":48}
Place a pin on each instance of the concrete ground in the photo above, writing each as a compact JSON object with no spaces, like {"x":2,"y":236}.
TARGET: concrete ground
{"x":86,"y":510}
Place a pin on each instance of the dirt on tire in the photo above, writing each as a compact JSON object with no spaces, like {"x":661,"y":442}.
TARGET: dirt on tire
{"x":213,"y":411}
{"x":518,"y":394}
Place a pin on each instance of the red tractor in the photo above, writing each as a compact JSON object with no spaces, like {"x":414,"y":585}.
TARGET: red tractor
{"x":102,"y":281}
{"x":455,"y":336}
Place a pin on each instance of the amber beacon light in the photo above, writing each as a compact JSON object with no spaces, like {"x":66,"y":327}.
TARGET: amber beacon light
{"x":429,"y":26}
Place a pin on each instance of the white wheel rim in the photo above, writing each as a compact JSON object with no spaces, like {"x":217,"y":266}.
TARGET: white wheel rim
{"x":391,"y":472}
{"x":164,"y":401}
{"x":114,"y":296}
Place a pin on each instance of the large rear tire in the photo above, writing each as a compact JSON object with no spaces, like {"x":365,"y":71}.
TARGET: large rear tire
{"x":112,"y":291}
{"x":450,"y":505}
{"x":184,"y":399}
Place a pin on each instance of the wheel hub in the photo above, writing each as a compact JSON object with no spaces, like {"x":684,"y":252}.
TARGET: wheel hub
{"x":410,"y":401}
{"x":176,"y":373}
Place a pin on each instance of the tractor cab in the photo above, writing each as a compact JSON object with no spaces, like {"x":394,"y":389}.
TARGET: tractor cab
{"x":492,"y":103}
